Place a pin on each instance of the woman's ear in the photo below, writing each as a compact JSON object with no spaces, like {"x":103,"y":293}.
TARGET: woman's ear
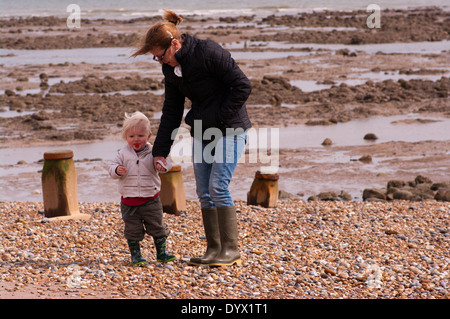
{"x":177,"y":44}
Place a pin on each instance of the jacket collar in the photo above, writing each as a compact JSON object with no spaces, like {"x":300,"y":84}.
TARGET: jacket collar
{"x":144,"y":152}
{"x":187,"y":49}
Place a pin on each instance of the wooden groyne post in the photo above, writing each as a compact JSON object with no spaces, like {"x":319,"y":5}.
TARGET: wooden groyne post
{"x":264,"y":190}
{"x":59,"y":186}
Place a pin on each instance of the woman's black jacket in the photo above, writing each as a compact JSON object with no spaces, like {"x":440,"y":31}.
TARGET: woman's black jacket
{"x":214,"y":83}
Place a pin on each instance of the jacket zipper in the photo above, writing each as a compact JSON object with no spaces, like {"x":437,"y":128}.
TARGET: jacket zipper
{"x":139,"y":176}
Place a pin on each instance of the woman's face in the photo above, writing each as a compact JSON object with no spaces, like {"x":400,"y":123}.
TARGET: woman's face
{"x":167,"y":55}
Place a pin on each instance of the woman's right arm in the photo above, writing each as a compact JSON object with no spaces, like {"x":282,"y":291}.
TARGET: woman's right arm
{"x":172,"y":114}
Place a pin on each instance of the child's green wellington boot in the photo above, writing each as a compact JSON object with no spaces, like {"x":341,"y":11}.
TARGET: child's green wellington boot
{"x":161,"y":254}
{"x":135,"y":250}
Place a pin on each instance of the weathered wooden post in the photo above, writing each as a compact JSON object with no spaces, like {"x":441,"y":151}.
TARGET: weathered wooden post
{"x":59,"y":186}
{"x":264,"y":190}
{"x":172,"y":192}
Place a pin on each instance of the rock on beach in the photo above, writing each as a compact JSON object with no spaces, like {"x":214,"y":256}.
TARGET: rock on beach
{"x":297,"y":250}
{"x":421,"y":189}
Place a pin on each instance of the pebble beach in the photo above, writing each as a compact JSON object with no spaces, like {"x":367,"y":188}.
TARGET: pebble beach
{"x":297,"y":250}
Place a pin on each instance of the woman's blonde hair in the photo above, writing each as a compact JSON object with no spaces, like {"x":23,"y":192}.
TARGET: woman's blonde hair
{"x":161,"y":34}
{"x":133,"y":120}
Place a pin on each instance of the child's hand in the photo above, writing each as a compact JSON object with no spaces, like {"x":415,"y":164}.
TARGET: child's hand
{"x":121,"y":170}
{"x":158,"y":166}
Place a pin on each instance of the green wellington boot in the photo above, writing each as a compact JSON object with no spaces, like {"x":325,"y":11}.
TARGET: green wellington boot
{"x":229,"y":254}
{"x":211,"y":226}
{"x":161,"y":254}
{"x":135,"y":250}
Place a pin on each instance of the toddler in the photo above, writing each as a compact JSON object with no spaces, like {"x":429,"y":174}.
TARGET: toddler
{"x":139,"y":186}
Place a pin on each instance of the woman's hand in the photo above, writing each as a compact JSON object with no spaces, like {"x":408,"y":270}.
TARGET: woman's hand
{"x":157,"y":165}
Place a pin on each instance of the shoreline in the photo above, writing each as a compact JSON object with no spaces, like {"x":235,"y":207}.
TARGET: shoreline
{"x":348,"y":27}
{"x":128,"y":14}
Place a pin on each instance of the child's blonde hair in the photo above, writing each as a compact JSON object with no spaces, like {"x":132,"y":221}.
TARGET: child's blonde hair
{"x":133,"y":120}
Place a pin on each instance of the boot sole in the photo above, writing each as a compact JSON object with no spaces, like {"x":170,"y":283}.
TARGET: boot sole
{"x":190,"y":263}
{"x":236,"y":262}
{"x":166,"y":261}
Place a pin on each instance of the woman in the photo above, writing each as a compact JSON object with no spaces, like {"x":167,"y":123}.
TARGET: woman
{"x":206,"y":74}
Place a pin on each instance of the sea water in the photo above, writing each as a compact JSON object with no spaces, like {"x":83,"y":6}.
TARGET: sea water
{"x":126,"y":9}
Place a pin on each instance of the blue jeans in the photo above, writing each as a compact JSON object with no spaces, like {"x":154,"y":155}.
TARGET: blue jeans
{"x":214,"y":164}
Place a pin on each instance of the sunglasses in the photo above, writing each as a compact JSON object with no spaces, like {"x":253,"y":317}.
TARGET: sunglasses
{"x":160,"y":59}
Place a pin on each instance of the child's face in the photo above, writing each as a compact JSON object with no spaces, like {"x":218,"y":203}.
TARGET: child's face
{"x":137,"y":137}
